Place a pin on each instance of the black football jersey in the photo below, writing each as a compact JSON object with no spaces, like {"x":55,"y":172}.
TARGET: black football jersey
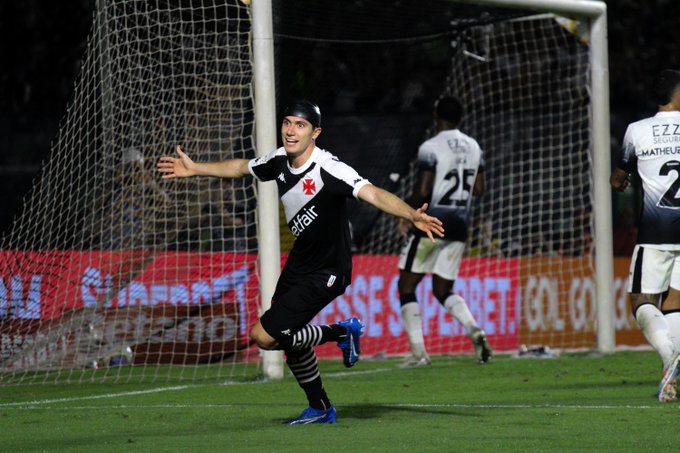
{"x":314,"y":199}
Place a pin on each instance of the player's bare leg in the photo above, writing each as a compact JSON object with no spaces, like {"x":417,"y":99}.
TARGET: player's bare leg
{"x":410,"y":315}
{"x":655,"y":329}
{"x":459,"y":310}
{"x":653,"y":324}
{"x":262,"y":338}
{"x":670,"y":307}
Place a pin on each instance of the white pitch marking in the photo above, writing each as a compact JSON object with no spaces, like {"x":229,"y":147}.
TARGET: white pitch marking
{"x":94,"y":397}
{"x":341,"y":374}
{"x":33,"y":406}
{"x":121,"y":394}
{"x":529,"y":406}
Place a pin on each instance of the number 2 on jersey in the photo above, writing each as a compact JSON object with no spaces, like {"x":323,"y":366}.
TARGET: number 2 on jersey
{"x":447,"y":199}
{"x":670,"y":198}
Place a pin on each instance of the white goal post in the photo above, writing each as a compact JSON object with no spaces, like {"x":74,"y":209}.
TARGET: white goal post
{"x":595,"y":14}
{"x":265,"y":140}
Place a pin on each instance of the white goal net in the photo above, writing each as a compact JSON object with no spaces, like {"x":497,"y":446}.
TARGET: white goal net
{"x":107,"y":265}
{"x":527,"y":275}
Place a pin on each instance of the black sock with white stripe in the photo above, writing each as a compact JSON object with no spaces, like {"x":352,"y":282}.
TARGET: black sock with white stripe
{"x":310,"y":336}
{"x":303,"y":365}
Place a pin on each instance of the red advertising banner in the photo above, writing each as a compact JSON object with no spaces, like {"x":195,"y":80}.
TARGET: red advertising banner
{"x":489,"y":286}
{"x":201,"y":306}
{"x":63,"y":308}
{"x":558,"y":304}
{"x":532,"y":301}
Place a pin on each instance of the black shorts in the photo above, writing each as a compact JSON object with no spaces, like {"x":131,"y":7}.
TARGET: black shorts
{"x":299,"y":298}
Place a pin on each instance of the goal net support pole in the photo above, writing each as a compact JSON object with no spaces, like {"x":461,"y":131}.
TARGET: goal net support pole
{"x":596,"y":14}
{"x":265,"y":142}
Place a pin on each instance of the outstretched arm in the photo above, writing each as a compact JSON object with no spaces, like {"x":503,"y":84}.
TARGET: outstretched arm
{"x":183,"y":167}
{"x":393,"y":205}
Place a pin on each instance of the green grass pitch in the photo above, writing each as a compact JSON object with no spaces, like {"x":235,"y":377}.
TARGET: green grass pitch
{"x":576,"y":402}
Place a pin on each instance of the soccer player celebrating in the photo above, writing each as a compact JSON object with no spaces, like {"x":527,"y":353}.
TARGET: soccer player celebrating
{"x":313,"y":186}
{"x":651,"y":147}
{"x":449,"y":172}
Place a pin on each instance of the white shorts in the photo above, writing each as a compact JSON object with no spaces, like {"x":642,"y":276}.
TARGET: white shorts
{"x":653,"y":270}
{"x":442,"y":258}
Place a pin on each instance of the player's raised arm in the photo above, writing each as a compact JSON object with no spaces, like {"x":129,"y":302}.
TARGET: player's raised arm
{"x":391,"y":204}
{"x":183,"y":167}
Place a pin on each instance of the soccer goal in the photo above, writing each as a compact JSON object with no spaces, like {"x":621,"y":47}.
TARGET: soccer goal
{"x":533,"y":78}
{"x":109,"y":273}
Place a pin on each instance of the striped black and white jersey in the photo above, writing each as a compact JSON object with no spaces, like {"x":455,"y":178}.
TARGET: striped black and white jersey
{"x":652,"y":148}
{"x":314,"y":199}
{"x":455,"y":158}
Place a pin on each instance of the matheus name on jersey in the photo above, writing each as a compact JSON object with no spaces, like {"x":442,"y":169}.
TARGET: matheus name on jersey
{"x":314,"y":200}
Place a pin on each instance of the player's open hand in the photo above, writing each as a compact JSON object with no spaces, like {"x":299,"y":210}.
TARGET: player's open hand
{"x":176,"y":167}
{"x":428,"y":224}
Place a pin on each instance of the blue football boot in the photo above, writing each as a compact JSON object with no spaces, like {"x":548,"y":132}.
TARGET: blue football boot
{"x":310,"y":416}
{"x":351,"y":345}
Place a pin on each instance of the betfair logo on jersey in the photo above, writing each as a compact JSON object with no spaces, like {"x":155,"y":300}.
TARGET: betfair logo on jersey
{"x":303,"y":220}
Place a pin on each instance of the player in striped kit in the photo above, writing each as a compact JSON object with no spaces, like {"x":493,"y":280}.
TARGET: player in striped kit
{"x":450,"y":168}
{"x":651,"y":147}
{"x":313,"y":186}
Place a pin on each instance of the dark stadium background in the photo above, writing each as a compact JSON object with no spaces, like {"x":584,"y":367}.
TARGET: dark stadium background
{"x":43,"y":42}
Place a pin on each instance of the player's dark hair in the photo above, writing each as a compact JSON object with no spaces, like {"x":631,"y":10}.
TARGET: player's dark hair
{"x":304,"y":109}
{"x":449,"y":109}
{"x":665,"y":84}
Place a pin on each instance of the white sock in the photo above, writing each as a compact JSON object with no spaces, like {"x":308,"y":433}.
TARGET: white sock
{"x":673,"y":320}
{"x":413,"y":324}
{"x":455,"y":305}
{"x":655,"y":329}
